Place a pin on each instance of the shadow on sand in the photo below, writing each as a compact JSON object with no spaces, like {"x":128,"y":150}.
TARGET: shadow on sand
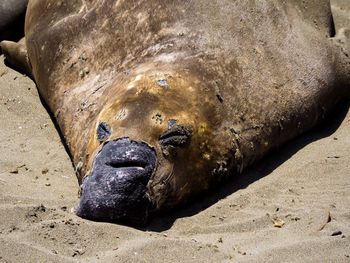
{"x":261,"y":169}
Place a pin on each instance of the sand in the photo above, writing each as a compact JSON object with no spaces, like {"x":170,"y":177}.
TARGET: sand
{"x":293,"y":206}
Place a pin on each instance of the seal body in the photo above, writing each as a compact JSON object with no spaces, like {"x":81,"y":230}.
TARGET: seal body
{"x":158,"y":100}
{"x":11,"y":18}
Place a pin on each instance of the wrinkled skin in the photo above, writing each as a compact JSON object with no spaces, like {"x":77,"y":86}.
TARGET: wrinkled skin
{"x":158,"y":100}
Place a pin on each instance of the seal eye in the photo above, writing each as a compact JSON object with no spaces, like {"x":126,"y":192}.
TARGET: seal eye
{"x":176,"y":135}
{"x":103,"y":132}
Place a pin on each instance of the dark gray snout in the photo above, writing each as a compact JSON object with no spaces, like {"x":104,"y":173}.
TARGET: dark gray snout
{"x":116,"y":189}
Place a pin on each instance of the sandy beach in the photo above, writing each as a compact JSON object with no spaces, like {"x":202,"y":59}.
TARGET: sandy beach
{"x":293,"y":206}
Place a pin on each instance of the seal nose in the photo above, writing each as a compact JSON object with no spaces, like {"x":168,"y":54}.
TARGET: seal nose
{"x":116,"y":189}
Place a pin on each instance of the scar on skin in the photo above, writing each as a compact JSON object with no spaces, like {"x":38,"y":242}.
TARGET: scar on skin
{"x":121,"y":115}
{"x":158,"y":118}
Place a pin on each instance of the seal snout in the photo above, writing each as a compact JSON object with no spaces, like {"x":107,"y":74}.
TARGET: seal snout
{"x":116,"y":189}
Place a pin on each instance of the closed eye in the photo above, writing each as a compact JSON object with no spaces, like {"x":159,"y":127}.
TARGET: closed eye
{"x":177,"y":135}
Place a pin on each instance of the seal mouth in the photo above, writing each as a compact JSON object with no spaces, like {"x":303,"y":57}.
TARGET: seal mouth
{"x":126,"y":164}
{"x":136,"y":162}
{"x":115,"y":191}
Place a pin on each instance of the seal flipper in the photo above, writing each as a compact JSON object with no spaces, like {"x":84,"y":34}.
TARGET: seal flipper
{"x":17,"y":56}
{"x":341,"y":43}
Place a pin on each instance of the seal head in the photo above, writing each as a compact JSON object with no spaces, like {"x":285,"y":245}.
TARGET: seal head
{"x":159,"y":141}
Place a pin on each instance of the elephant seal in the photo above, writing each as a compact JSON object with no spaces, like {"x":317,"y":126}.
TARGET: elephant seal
{"x":158,"y":100}
{"x":12,"y":18}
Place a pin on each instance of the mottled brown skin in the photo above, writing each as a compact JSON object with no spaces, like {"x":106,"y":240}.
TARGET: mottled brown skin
{"x":246,"y":76}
